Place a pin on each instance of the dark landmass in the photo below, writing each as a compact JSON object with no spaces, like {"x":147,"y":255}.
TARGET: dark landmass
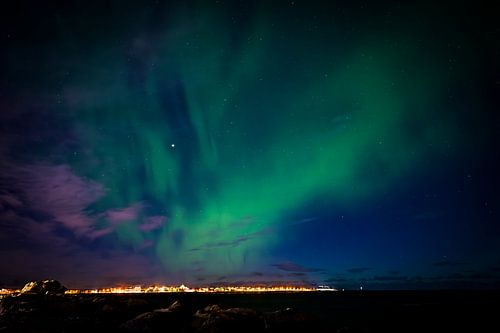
{"x":367,"y":311}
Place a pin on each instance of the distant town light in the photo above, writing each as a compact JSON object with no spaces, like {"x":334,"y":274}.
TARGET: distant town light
{"x":184,"y":288}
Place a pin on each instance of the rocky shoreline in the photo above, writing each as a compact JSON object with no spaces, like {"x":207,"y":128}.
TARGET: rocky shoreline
{"x":43,"y":307}
{"x":62,"y":313}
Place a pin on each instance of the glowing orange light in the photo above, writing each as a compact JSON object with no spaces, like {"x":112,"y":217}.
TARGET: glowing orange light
{"x":183,"y":288}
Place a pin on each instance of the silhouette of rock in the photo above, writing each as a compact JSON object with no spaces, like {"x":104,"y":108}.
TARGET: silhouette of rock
{"x":137,"y":303}
{"x":174,"y":318}
{"x":37,"y":310}
{"x":289,"y":320}
{"x":213,"y":319}
{"x":43,"y":287}
{"x":348,"y":330}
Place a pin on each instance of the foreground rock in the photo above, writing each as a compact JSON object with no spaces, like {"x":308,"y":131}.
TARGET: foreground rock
{"x":43,"y":287}
{"x":290,"y":320}
{"x":42,"y":312}
{"x":35,"y":297}
{"x":174,"y":318}
{"x":213,"y":319}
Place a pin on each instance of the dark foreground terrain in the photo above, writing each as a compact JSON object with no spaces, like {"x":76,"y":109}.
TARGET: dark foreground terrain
{"x":442,"y":311}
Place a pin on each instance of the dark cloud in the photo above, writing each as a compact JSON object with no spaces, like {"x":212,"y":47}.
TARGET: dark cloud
{"x":359,"y":270}
{"x":75,"y":265}
{"x":454,"y":276}
{"x":388,"y":278}
{"x":469,"y":280}
{"x":293,"y":267}
{"x":481,"y":276}
{"x":466,"y":276}
{"x":474,"y":276}
{"x":447,"y":263}
{"x":393,"y":272}
{"x":336,"y":280}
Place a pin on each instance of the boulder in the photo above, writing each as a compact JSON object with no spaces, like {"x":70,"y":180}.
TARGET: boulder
{"x":348,"y":330}
{"x":213,"y":319}
{"x":44,"y":287}
{"x":133,"y":303}
{"x":174,"y":318}
{"x":289,"y":320}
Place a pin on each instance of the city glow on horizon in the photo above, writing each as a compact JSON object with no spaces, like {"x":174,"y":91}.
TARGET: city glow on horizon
{"x":183,"y":288}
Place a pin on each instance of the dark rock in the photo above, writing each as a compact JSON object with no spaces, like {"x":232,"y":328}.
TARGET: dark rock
{"x":17,"y":305}
{"x":213,"y":319}
{"x":31,"y":312}
{"x":174,"y":318}
{"x":290,"y":320}
{"x":134,"y":303}
{"x":348,"y":330}
{"x":98,"y":300}
{"x":176,"y":307}
{"x":43,"y":287}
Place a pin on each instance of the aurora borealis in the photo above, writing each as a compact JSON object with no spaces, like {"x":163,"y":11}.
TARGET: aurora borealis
{"x":211,"y":142}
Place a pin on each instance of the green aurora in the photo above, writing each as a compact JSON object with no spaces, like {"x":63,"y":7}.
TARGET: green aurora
{"x":253,"y":136}
{"x":226,"y":124}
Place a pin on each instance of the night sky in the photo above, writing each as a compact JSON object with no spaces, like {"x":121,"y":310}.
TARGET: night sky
{"x":200,"y":142}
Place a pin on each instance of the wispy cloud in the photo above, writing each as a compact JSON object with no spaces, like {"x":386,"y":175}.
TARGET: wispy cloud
{"x":119,"y":215}
{"x":37,"y":249}
{"x":152,"y":223}
{"x":289,"y":266}
{"x":58,"y":192}
{"x":393,"y":272}
{"x":9,"y":200}
{"x":98,"y":233}
{"x":63,"y":197}
{"x":302,"y":221}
